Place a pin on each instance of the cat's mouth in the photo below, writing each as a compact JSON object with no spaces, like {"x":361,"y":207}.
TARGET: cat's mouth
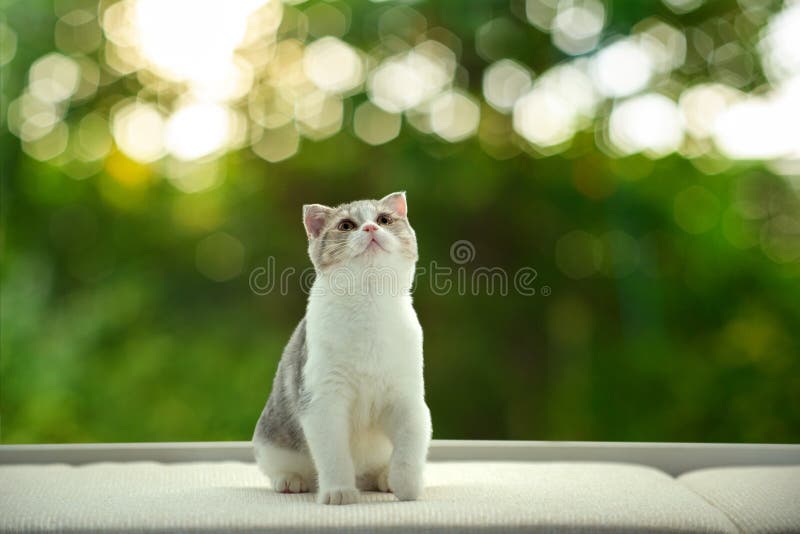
{"x":374,"y":244}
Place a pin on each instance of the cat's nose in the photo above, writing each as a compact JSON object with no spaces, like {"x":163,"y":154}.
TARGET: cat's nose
{"x":370,"y":227}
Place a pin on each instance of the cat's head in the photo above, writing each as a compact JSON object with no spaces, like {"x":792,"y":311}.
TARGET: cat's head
{"x":364,"y":232}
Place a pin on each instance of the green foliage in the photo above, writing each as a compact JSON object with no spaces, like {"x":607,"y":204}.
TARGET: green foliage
{"x":110,"y":332}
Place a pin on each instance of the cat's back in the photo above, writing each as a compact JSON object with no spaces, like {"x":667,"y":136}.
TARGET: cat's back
{"x":278,"y":424}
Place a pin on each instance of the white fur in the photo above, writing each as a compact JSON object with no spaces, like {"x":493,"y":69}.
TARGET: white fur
{"x":364,"y":370}
{"x":282,"y":466}
{"x":367,"y":416}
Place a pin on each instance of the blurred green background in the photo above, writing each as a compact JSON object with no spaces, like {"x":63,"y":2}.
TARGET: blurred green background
{"x":143,"y":183}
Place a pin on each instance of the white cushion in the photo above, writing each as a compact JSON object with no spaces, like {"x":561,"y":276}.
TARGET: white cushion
{"x":757,"y":499}
{"x":568,"y":497}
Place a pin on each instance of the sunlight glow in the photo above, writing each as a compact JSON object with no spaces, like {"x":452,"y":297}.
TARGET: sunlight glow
{"x":333,"y":65}
{"x":374,"y":125}
{"x":663,"y":43}
{"x":540,"y":13}
{"x":544,"y":118}
{"x":54,"y":78}
{"x":780,"y":46}
{"x":319,"y":115}
{"x":622,"y":69}
{"x":561,"y":102}
{"x":683,"y":6}
{"x":277,"y":144}
{"x":577,"y":25}
{"x":455,"y":116}
{"x":648,"y":123}
{"x":504,"y":82}
{"x":571,"y":83}
{"x":8,"y":43}
{"x":138,"y":130}
{"x":405,"y":81}
{"x":702,"y":104}
{"x":205,"y":77}
{"x":197,"y":130}
{"x":30,"y":118}
{"x":760,"y":127}
{"x":200,"y":52}
{"x":50,"y":145}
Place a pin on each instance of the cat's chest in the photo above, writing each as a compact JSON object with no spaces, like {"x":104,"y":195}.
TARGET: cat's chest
{"x":370,"y":331}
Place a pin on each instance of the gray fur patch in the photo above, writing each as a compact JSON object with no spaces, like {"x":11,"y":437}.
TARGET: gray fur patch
{"x":279,"y":423}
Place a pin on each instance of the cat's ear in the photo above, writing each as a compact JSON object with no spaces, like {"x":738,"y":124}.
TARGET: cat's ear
{"x":314,"y":218}
{"x":396,"y":202}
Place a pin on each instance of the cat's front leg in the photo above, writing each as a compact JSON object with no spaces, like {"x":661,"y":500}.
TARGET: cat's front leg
{"x":408,"y":426}
{"x":326,"y":426}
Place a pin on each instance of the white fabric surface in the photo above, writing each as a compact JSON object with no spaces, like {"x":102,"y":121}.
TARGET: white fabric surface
{"x":757,"y":499}
{"x":459,"y":496}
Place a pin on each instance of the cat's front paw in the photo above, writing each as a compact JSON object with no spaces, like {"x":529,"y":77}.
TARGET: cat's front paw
{"x":337,"y":496}
{"x":406,"y":482}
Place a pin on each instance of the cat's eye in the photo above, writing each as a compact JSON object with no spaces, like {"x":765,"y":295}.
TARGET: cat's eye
{"x":346,"y":225}
{"x":384,"y":220}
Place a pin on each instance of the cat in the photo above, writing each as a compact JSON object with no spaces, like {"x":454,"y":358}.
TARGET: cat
{"x":347,"y":409}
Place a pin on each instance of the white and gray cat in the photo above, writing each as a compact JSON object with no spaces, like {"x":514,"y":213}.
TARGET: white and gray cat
{"x":347,"y":408}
